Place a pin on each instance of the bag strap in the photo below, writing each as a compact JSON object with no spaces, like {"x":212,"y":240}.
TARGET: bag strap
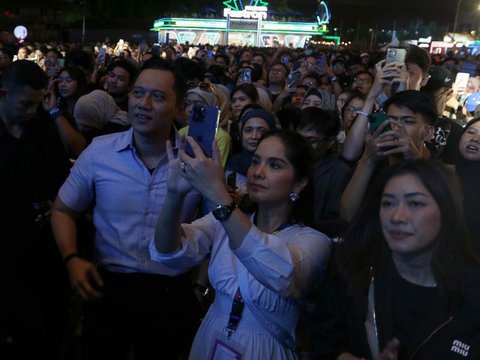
{"x":279,"y":333}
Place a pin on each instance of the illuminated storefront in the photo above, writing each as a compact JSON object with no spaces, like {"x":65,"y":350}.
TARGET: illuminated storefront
{"x":243,"y":26}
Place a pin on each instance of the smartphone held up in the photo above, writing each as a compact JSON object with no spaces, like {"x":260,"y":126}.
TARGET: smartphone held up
{"x":202,"y":127}
{"x":395,"y":55}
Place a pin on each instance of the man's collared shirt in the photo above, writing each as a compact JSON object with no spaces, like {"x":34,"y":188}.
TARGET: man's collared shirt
{"x":127,"y":201}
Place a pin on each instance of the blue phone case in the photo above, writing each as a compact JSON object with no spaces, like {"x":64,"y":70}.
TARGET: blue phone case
{"x":321,"y":61}
{"x":202,"y":127}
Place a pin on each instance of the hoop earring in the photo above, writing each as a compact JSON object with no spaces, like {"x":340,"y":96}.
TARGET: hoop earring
{"x":293,"y":196}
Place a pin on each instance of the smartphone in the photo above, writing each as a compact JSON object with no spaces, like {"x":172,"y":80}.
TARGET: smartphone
{"x":246,"y":75}
{"x":232,"y":180}
{"x":321,"y":61}
{"x":101,"y":54}
{"x":202,"y":127}
{"x":210,"y":54}
{"x":395,"y":55}
{"x":296,"y":66}
{"x":376,"y":119}
{"x":461,"y":80}
{"x":293,"y":79}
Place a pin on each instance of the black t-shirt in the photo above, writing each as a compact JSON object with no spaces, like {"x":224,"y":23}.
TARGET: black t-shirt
{"x":412,"y":310}
{"x":451,"y":153}
{"x":32,"y":170}
{"x":446,"y":140}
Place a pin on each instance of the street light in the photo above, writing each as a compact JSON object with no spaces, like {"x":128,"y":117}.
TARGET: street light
{"x":83,"y":20}
{"x":459,"y":2}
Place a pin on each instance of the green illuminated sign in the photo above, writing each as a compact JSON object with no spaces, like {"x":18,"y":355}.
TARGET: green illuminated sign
{"x":237,"y":5}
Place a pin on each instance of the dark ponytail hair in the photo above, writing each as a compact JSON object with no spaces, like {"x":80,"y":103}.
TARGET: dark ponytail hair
{"x":300,"y":154}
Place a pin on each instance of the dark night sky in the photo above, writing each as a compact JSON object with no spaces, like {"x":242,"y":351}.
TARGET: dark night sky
{"x":347,"y":12}
{"x":370,"y":11}
{"x":385,"y":11}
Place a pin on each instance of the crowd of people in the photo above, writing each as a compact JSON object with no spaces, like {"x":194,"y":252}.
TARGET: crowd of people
{"x":334,"y":219}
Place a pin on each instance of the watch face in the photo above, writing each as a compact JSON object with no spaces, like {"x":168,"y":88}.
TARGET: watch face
{"x":222,"y":212}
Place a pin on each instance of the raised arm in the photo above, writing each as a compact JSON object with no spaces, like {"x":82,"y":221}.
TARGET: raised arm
{"x":285,"y":265}
{"x":167,"y":232}
{"x":355,"y":141}
{"x":207,"y":176}
{"x":356,"y":189}
{"x":73,"y":142}
{"x":386,"y":75}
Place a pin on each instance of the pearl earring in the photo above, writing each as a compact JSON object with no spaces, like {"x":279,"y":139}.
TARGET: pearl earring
{"x":293,"y":196}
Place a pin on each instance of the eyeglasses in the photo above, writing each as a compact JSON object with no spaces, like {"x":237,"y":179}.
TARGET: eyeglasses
{"x":352,"y":109}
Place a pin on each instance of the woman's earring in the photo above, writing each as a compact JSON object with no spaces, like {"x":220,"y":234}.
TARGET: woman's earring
{"x":293,"y":196}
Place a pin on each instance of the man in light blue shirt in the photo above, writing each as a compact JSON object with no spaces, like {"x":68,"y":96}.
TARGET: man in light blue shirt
{"x":133,"y":302}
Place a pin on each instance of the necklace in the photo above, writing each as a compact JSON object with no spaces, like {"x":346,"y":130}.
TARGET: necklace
{"x":275,"y":231}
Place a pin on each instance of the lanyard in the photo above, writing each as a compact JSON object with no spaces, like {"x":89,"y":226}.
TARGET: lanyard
{"x":235,"y":313}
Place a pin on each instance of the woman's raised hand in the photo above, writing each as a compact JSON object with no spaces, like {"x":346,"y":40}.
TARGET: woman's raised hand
{"x":175,"y":181}
{"x":203,"y":173}
{"x":49,"y":99}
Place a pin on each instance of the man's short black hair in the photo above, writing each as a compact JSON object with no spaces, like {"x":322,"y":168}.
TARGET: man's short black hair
{"x":285,"y":67}
{"x":365,"y":72}
{"x":224,"y":57}
{"x":126,"y":65}
{"x":80,"y":58}
{"x":417,"y":55}
{"x":261,"y":55}
{"x":23,"y":73}
{"x":312,"y":75}
{"x":191,"y":70}
{"x":416,"y":101}
{"x":318,"y":120}
{"x":180,"y":85}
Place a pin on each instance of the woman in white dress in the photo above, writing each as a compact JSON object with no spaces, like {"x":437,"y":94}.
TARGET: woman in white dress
{"x":261,"y":265}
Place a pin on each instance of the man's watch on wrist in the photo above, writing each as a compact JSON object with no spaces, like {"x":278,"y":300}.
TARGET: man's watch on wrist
{"x":54,"y":113}
{"x":223,"y":212}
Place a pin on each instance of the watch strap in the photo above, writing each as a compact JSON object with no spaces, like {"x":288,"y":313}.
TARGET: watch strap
{"x":54,"y":113}
{"x":223,"y":212}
